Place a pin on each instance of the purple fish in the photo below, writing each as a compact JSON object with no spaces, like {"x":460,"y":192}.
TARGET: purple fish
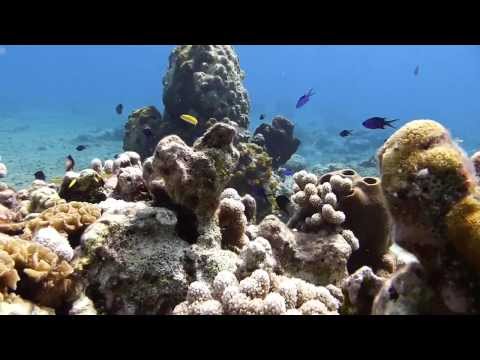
{"x":304,"y":98}
{"x":378,"y":123}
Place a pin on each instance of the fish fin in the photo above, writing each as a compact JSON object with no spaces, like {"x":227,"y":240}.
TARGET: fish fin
{"x":389,"y":123}
{"x":73,"y":182}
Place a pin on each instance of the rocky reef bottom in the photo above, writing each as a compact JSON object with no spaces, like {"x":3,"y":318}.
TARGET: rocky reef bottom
{"x":173,"y":235}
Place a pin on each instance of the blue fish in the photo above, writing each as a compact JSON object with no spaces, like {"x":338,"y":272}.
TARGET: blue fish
{"x":378,"y":123}
{"x":417,"y":70}
{"x":304,"y":98}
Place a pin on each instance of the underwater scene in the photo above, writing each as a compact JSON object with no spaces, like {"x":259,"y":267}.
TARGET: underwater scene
{"x":239,"y":180}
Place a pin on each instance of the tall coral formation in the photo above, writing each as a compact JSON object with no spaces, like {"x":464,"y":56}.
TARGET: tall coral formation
{"x":194,"y":177}
{"x":280,"y":142}
{"x":204,"y":81}
{"x":232,"y":220}
{"x":139,"y":124}
{"x":431,"y":191}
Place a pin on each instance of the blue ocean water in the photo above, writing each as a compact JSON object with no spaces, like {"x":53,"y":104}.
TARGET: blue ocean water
{"x":51,"y":94}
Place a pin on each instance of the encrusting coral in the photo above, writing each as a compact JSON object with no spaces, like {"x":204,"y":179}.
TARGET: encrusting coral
{"x":132,"y":259}
{"x":432,"y":195}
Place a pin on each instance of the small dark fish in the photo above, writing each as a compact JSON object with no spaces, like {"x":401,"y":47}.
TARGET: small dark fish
{"x":304,"y":98}
{"x":116,"y":156}
{"x":69,"y":163}
{"x":119,"y":109}
{"x":283,"y":202}
{"x":39,"y":175}
{"x":417,"y":70}
{"x":262,"y":116}
{"x":378,"y":123}
{"x":81,"y":147}
{"x":147,"y":131}
{"x":345,"y":133}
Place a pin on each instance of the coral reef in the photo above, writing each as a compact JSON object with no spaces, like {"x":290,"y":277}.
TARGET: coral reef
{"x":53,"y":240}
{"x":279,"y":140}
{"x":8,"y":196}
{"x":132,"y":259}
{"x":34,"y":272}
{"x":130,"y":185}
{"x":406,"y":293}
{"x":12,"y":304}
{"x":69,"y":218}
{"x":253,"y":176}
{"x":136,"y":138}
{"x":361,"y":200}
{"x":431,"y":192}
{"x":320,"y":258}
{"x":87,"y":186}
{"x":204,"y":81}
{"x":194,"y":177}
{"x":476,"y":162}
{"x":360,"y":290}
{"x":232,"y":220}
{"x":261,"y":293}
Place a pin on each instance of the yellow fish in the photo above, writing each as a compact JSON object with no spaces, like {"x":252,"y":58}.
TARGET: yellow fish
{"x":189,"y":118}
{"x":73,"y":182}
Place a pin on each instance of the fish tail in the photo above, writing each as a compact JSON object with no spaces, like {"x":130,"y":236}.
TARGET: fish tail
{"x":389,"y":123}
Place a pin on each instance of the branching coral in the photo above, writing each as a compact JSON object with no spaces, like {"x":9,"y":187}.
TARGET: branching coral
{"x":261,"y":293}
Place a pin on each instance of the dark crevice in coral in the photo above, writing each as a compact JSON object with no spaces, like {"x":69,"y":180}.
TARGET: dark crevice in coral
{"x":186,"y":227}
{"x":74,"y":239}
